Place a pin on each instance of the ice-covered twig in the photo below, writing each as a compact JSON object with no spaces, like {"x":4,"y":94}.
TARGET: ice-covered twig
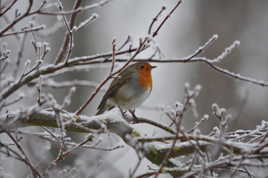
{"x":113,"y":56}
{"x":65,"y":84}
{"x":69,"y":33}
{"x":11,"y":102}
{"x":155,"y":19}
{"x":226,"y":52}
{"x":202,"y":48}
{"x":207,"y":61}
{"x":4,"y":9}
{"x":89,"y":20}
{"x":20,"y":54}
{"x":14,"y":22}
{"x":155,"y":33}
{"x":67,"y":45}
{"x":25,"y":30}
{"x":67,"y":100}
{"x":23,"y":156}
{"x":74,"y":11}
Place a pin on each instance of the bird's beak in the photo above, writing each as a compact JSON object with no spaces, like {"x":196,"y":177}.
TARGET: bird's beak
{"x":153,"y":67}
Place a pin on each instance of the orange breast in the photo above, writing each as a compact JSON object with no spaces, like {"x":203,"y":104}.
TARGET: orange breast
{"x":145,"y":79}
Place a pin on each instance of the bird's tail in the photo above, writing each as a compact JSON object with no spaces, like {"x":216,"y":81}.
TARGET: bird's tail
{"x":103,"y":107}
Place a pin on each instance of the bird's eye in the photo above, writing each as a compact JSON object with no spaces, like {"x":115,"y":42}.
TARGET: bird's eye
{"x":142,"y":67}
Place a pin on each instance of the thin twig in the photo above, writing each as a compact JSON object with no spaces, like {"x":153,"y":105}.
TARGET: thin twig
{"x":128,"y":40}
{"x":87,"y":139}
{"x":89,"y":20}
{"x":11,"y":102}
{"x":62,"y":131}
{"x":25,"y":30}
{"x":138,"y":164}
{"x":20,"y":54}
{"x":113,"y":56}
{"x":202,"y":48}
{"x":166,"y":18}
{"x":7,"y":8}
{"x":178,"y":117}
{"x":68,"y":39}
{"x":27,"y":160}
{"x":69,"y":31}
{"x":30,"y":4}
{"x":155,"y":19}
{"x":74,"y":11}
{"x":151,"y":122}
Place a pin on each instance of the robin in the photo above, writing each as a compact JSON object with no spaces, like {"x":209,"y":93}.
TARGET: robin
{"x":129,"y":89}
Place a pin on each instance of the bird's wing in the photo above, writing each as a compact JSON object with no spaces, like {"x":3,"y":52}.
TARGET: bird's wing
{"x":111,"y":91}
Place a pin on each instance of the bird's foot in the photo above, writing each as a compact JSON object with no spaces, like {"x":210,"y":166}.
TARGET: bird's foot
{"x":134,"y":116}
{"x":125,"y":115}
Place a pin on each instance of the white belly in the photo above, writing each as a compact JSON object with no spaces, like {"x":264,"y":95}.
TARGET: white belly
{"x":130,"y":97}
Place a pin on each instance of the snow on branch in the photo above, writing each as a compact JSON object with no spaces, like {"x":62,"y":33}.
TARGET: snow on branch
{"x":184,"y":153}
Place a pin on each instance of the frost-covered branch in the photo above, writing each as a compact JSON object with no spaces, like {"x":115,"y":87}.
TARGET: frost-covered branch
{"x":154,"y":149}
{"x":181,"y":152}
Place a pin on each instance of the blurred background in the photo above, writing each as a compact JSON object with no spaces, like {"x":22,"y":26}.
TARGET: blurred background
{"x":193,"y":23}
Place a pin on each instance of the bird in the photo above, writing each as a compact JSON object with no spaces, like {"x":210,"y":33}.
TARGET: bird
{"x":129,"y":89}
